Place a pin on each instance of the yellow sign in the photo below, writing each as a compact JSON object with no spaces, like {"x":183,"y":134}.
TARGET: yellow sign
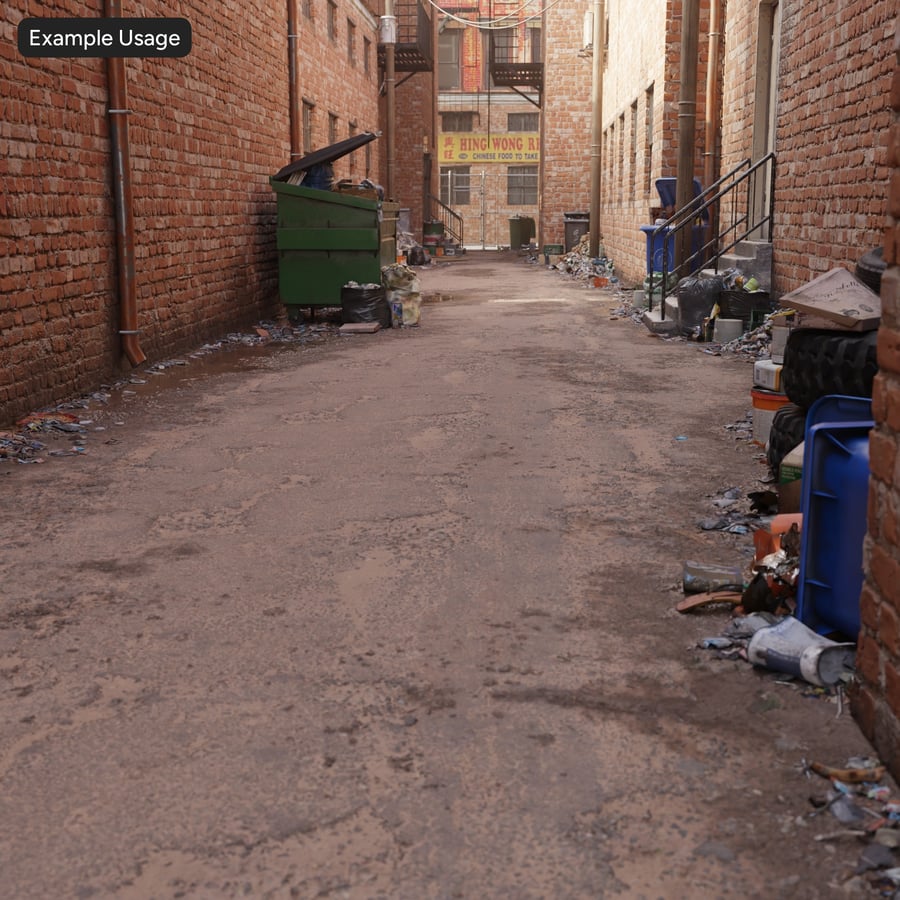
{"x":466,"y":148}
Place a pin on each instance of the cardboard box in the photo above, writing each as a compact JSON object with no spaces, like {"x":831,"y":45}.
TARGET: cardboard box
{"x":767,"y":374}
{"x":790,"y":481}
{"x":837,"y":297}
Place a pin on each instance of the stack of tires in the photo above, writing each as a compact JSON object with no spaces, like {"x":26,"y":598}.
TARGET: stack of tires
{"x":819,"y":362}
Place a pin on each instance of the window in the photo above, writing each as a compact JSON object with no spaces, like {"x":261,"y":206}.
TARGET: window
{"x":332,"y":128}
{"x":522,"y":185}
{"x":368,"y":160}
{"x":367,"y":55}
{"x":352,"y":129}
{"x":455,"y":184}
{"x":501,"y":52}
{"x":332,"y":20}
{"x":351,"y":43}
{"x":634,"y":151}
{"x":535,"y":50}
{"x":648,"y":140}
{"x":457,"y":121}
{"x":522,"y":122}
{"x":308,"y":126}
{"x":307,"y":9}
{"x":449,"y":43}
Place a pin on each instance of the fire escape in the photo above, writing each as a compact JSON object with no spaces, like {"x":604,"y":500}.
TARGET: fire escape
{"x":508,"y":70}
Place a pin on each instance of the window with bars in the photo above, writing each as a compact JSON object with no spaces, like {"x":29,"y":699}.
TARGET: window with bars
{"x":332,"y":128}
{"x":522,"y":121}
{"x":455,"y":185}
{"x":457,"y":121}
{"x":522,"y":185}
{"x":367,"y":55}
{"x":351,"y":43}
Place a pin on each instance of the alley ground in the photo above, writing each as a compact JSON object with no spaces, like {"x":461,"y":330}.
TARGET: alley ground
{"x":394,"y":617}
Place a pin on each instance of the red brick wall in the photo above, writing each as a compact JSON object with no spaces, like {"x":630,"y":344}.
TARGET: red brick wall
{"x":206,"y":132}
{"x":833,"y":118}
{"x":877,"y":701}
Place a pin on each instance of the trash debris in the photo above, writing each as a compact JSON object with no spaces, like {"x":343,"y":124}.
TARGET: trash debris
{"x":699,"y":578}
{"x":402,"y":286}
{"x":793,"y":648}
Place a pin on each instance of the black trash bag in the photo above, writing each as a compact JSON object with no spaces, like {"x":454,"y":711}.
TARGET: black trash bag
{"x":365,"y":304}
{"x":416,"y":256}
{"x":697,"y":295}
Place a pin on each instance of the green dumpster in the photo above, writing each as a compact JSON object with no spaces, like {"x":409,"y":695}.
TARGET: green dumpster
{"x":325,"y":238}
{"x":521,"y":231}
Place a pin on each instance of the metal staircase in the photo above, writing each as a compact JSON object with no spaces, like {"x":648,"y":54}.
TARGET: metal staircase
{"x":438,"y":211}
{"x":737,"y":210}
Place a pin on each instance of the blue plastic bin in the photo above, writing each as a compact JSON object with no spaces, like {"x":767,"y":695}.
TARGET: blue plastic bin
{"x":656,"y":246}
{"x":834,"y":501}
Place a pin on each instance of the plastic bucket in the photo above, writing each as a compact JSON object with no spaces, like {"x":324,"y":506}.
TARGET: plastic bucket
{"x":765,"y":405}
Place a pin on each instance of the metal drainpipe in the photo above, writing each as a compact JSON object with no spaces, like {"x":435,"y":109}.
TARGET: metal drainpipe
{"x":713,"y":111}
{"x":294,"y":78}
{"x":596,"y":125}
{"x":687,"y":121}
{"x":121,"y":165}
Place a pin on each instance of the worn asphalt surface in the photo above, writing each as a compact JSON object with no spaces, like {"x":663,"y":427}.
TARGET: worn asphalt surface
{"x":393,"y":617}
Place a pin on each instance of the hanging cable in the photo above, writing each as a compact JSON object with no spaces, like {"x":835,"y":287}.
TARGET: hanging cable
{"x":490,"y":25}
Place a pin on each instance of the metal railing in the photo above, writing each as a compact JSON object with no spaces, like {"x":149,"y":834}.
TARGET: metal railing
{"x":452,"y":220}
{"x":745,"y":194}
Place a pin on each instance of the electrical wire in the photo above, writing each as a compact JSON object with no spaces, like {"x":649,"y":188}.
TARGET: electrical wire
{"x":491,"y":25}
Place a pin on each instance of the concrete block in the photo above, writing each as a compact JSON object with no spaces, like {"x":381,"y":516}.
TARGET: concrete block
{"x":657,"y":324}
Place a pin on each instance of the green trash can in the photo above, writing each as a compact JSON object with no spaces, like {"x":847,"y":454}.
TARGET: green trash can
{"x":521,"y":231}
{"x":326,"y":238}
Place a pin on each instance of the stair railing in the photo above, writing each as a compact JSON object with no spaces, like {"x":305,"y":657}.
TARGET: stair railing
{"x":452,"y":220}
{"x":746,"y":194}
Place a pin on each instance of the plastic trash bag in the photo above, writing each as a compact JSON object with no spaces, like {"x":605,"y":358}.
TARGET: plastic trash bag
{"x":697,"y":295}
{"x":365,"y":303}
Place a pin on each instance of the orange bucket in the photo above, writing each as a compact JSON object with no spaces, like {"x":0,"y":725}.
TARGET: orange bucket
{"x":765,"y":405}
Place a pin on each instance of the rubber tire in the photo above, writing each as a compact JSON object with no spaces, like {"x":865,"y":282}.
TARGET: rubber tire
{"x":870,"y":267}
{"x":818,"y":362}
{"x":788,"y":430}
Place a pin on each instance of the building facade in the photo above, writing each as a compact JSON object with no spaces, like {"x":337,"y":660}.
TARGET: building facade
{"x":488,"y":145}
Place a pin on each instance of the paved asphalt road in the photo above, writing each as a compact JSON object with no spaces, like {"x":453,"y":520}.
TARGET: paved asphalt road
{"x":393,"y":617}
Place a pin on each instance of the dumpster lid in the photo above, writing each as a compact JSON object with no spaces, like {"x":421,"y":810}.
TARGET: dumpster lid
{"x":325,"y":155}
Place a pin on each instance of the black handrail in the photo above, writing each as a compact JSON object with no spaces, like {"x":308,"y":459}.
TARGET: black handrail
{"x":722,"y":239}
{"x":452,"y":220}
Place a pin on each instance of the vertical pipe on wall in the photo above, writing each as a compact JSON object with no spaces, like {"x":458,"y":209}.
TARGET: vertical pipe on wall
{"x":389,"y":39}
{"x":687,"y":120}
{"x":713,"y":106}
{"x":596,"y":126}
{"x":121,"y":166}
{"x":293,"y":13}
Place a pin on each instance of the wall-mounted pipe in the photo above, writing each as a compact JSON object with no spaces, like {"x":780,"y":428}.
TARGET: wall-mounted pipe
{"x":121,"y":165}
{"x":713,"y":111}
{"x":294,"y":78}
{"x":687,"y":121}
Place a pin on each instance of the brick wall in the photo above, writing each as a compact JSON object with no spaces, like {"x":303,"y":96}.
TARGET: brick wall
{"x":833,"y":116}
{"x":206,"y":132}
{"x":642,"y":70}
{"x":876,"y":703}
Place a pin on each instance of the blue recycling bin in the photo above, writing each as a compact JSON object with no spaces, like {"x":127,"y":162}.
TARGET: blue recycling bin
{"x":656,"y":245}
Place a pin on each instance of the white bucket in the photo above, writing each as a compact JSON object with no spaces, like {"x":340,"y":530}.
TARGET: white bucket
{"x":726,"y":330}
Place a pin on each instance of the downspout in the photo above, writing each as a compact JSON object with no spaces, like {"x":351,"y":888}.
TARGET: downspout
{"x":713,"y":111}
{"x":596,"y":126}
{"x":389,"y":39}
{"x":123,"y":199}
{"x":687,"y":121}
{"x":294,"y":78}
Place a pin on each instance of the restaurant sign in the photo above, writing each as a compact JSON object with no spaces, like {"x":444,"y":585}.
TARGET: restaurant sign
{"x":468,"y":147}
